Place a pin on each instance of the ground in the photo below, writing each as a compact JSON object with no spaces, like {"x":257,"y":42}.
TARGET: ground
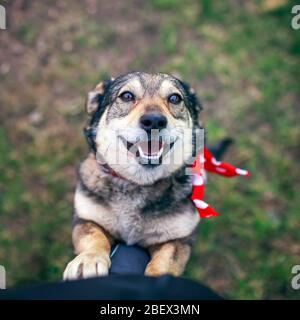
{"x":243,"y":60}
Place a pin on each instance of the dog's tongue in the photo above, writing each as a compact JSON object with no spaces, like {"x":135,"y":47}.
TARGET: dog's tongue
{"x":150,"y":147}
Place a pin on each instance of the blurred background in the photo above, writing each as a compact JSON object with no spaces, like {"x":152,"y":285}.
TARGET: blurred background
{"x":242,"y":57}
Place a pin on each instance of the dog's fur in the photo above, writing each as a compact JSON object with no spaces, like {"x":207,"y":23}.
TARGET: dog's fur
{"x":132,"y":202}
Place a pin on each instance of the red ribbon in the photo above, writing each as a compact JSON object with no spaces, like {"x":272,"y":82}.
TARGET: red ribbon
{"x":211,"y":164}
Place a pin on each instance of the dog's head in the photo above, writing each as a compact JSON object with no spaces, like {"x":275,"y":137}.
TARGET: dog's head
{"x":143,"y":126}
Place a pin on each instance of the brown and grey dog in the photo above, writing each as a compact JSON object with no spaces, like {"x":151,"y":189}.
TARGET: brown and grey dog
{"x":151,"y":119}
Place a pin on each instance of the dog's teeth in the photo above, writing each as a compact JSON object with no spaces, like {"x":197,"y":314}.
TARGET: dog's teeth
{"x":155,"y":156}
{"x":141,"y":152}
{"x":160,"y":151}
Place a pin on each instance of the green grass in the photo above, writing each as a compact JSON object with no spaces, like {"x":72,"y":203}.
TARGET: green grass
{"x":244,"y":63}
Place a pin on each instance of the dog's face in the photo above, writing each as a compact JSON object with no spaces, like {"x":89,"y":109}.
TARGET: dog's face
{"x":143,"y":125}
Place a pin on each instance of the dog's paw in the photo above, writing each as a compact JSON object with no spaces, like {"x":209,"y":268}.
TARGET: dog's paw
{"x":87,"y":265}
{"x":155,"y":271}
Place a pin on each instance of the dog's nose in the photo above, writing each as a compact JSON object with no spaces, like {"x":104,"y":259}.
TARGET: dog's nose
{"x":151,"y":121}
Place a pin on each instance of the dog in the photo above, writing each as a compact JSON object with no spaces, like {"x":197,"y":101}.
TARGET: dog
{"x":150,"y":119}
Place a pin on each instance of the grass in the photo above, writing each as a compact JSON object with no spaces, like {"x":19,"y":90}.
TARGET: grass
{"x":243,"y":60}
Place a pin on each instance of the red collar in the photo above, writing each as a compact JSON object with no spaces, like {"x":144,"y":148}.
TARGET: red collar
{"x":108,"y":170}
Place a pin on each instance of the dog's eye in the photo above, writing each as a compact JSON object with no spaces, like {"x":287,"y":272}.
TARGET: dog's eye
{"x":175,"y":98}
{"x":127,"y":96}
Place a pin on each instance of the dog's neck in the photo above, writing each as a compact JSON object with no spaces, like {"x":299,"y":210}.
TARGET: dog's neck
{"x":104,"y":184}
{"x":109,"y":172}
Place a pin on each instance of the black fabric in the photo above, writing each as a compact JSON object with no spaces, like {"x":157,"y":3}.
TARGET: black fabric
{"x":115,"y":287}
{"x":128,"y":259}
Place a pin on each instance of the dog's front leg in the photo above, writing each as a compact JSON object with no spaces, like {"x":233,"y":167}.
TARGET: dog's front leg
{"x":168,"y":258}
{"x":92,"y":246}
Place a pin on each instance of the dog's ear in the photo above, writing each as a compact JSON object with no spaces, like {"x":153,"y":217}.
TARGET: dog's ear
{"x":95,"y":96}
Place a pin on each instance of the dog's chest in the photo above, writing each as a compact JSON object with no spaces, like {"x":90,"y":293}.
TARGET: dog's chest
{"x":124,"y":221}
{"x":130,"y":226}
{"x":136,"y":229}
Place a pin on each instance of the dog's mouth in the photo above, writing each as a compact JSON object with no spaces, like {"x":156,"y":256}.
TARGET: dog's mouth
{"x":149,"y":152}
